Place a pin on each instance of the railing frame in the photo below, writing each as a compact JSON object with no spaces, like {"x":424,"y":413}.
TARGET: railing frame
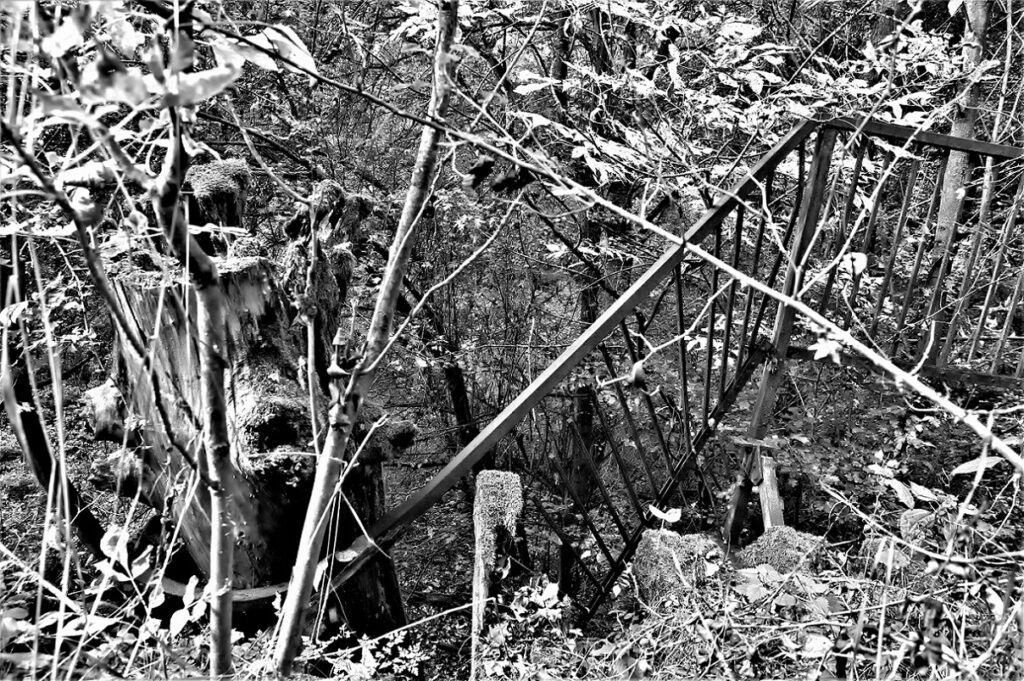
{"x":386,"y":531}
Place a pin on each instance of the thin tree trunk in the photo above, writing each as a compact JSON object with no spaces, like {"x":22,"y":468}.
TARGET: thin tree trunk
{"x":22,"y":413}
{"x":958,"y":170}
{"x":963,"y":126}
{"x":212,"y":360}
{"x":345,"y":411}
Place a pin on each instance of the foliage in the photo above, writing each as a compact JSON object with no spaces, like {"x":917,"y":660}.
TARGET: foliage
{"x":651,"y":107}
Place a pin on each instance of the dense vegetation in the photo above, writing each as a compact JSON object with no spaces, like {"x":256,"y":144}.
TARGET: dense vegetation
{"x":268,"y":266}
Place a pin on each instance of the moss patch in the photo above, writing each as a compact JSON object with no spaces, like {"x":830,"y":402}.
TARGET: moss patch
{"x":660,"y":557}
{"x":783,"y":548}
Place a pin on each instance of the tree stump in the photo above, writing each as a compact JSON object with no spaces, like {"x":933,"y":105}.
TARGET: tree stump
{"x":268,"y":413}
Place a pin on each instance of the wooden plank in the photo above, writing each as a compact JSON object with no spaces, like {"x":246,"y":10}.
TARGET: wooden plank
{"x":900,"y":133}
{"x":768,"y":491}
{"x":380,"y":534}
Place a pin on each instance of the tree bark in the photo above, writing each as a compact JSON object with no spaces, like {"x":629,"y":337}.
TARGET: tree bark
{"x":957,"y":175}
{"x":265,"y":404}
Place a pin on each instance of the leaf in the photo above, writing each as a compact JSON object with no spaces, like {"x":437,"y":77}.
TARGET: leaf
{"x":88,"y":625}
{"x":190,"y":591}
{"x":156,"y":596}
{"x":141,"y":563}
{"x":825,"y":347}
{"x":922,"y":492}
{"x":816,"y":646}
{"x":974,"y":465}
{"x":67,"y":36}
{"x":912,"y":523}
{"x":534,"y":120}
{"x":887,"y":554}
{"x":184,"y":54}
{"x":128,"y":86}
{"x":194,"y":88}
{"x":178,"y":621}
{"x":285,"y":43}
{"x":670,"y":516}
{"x":527,"y":88}
{"x":902,"y":491}
{"x":114,"y":544}
{"x":757,"y":582}
{"x":12,"y":313}
{"x":854,"y":263}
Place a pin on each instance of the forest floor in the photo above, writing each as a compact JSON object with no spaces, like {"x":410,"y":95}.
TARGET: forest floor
{"x":838,"y":428}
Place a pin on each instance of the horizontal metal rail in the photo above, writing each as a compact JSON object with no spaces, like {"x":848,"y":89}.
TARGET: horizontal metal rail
{"x":901,"y":133}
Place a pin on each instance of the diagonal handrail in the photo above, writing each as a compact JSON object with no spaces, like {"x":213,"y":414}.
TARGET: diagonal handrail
{"x":386,"y":530}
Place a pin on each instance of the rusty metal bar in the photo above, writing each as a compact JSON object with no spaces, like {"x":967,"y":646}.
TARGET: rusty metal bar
{"x":581,"y":507}
{"x":790,"y":225}
{"x":758,"y":241}
{"x":385,"y":531}
{"x":648,"y":402}
{"x":566,"y":541}
{"x":743,"y":374}
{"x":912,"y":282}
{"x":866,"y":245}
{"x":844,"y":224}
{"x":633,"y":430}
{"x":1008,"y":323}
{"x":710,"y":346}
{"x":902,"y":133}
{"x":588,"y":459}
{"x":894,"y":248}
{"x":1004,"y":238}
{"x":730,"y":303}
{"x":613,"y":445}
{"x":984,"y":216}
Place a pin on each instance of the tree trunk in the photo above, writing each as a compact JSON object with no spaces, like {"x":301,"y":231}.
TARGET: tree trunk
{"x":348,"y":392}
{"x":957,"y":175}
